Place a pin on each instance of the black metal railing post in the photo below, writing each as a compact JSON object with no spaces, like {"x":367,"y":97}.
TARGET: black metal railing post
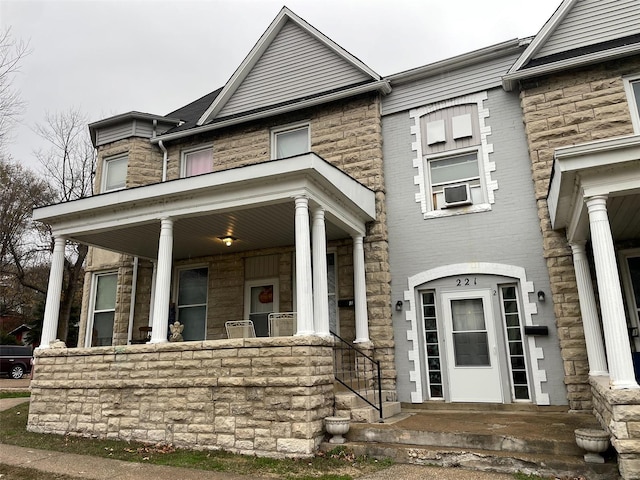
{"x":358,"y":372}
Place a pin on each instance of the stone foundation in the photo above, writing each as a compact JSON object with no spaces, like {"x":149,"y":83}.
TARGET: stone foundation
{"x":262,"y":396}
{"x":618,"y":412}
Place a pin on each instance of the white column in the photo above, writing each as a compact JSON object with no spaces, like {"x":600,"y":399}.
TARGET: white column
{"x":54,"y":290}
{"x":591,"y":324}
{"x":320,"y":288}
{"x":610,"y":294}
{"x":304,"y":289}
{"x":162,"y":298}
{"x":360,"y":291}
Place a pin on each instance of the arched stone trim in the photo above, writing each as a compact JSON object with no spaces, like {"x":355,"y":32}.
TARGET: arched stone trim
{"x":538,"y":376}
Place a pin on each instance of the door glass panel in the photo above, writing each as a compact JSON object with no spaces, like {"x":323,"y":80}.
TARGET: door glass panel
{"x":470,"y":341}
{"x":192,"y":303}
{"x":261,"y":306}
{"x":431,"y":337}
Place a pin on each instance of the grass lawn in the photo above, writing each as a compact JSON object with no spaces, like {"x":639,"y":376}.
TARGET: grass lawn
{"x":14,"y":395}
{"x":339,"y":464}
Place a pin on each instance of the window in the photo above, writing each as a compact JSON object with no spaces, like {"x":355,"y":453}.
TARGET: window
{"x":192,"y":302}
{"x":632,"y":87}
{"x":517,"y":361}
{"x":452,"y":157}
{"x":197,"y":162}
{"x":332,"y":285}
{"x":433,"y":346}
{"x":290,"y":141}
{"x":114,"y":174}
{"x":103,"y":309}
{"x":460,"y":172}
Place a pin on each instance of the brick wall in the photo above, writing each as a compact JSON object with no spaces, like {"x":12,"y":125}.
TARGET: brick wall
{"x":264,"y":396}
{"x":568,"y":109}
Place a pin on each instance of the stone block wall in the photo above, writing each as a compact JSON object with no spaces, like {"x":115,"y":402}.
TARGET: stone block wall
{"x":562,"y":110}
{"x":618,"y":412}
{"x":263,"y":396}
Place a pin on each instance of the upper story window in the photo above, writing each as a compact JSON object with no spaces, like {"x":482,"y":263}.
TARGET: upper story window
{"x":114,"y":173}
{"x":632,"y":87}
{"x":197,"y":161}
{"x":290,"y":141}
{"x":454,"y":171}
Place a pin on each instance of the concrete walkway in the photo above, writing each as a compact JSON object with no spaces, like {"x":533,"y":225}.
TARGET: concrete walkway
{"x":97,"y":468}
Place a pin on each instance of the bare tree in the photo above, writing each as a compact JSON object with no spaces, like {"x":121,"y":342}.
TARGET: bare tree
{"x":69,"y":165}
{"x":12,"y":52}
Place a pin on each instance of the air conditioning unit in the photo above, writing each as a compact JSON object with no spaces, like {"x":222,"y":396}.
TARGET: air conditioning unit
{"x":456,"y":195}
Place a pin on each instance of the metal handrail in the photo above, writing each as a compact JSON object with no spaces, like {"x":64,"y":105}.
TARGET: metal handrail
{"x":358,"y":372}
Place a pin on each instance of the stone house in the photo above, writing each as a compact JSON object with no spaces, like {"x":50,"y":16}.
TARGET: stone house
{"x":264,"y":196}
{"x":578,"y":84}
{"x":399,"y":213}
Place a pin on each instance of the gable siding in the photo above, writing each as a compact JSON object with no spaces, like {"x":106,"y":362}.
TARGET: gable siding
{"x":295,"y":65}
{"x":591,"y":22}
{"x":447,"y":85}
{"x":113,"y":133}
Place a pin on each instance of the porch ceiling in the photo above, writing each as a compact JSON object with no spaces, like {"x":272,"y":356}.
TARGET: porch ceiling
{"x":610,"y":167}
{"x":254,"y":204}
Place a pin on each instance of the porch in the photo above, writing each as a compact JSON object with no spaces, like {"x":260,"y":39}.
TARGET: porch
{"x":594,"y":195}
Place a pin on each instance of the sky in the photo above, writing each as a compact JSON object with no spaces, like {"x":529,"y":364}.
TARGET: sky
{"x":107,"y":57}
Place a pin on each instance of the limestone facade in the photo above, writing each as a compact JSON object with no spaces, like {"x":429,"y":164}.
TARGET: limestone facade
{"x":264,"y":396}
{"x":565,"y":109}
{"x":348,"y":134}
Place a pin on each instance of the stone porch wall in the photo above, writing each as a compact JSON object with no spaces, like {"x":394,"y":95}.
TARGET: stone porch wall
{"x":618,"y":412}
{"x":265,"y":396}
{"x":568,"y":109}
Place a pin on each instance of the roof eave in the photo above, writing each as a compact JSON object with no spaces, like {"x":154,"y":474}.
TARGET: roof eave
{"x":510,"y":79}
{"x":383,"y":86}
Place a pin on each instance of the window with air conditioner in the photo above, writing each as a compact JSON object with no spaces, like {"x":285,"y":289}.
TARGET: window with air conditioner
{"x":453,"y":157}
{"x":454,"y":180}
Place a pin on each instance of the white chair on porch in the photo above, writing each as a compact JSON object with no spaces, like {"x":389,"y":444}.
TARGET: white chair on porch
{"x":282,"y":324}
{"x":240,"y":329}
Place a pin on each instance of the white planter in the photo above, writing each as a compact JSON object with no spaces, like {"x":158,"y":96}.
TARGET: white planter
{"x":337,"y":426}
{"x":594,"y":441}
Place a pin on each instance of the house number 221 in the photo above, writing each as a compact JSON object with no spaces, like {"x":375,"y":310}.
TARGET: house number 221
{"x":465,"y":282}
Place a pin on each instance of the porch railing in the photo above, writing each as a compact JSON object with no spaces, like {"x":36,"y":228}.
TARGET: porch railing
{"x":357,"y":372}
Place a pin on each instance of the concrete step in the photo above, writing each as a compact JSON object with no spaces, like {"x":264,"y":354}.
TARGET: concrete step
{"x":483,"y":440}
{"x":554,"y":466}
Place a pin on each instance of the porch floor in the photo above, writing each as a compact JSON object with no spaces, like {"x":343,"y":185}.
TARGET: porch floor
{"x":494,"y":438}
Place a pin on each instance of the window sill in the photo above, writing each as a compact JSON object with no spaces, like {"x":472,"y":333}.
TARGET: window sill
{"x":452,"y":212}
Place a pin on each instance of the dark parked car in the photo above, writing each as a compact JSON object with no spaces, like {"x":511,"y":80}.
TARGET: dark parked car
{"x":15,"y":360}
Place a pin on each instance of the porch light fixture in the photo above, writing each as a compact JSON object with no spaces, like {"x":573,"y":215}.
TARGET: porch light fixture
{"x":541,"y":296}
{"x":399,"y":306}
{"x":227,"y":240}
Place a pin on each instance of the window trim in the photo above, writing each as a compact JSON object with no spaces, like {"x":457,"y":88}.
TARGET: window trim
{"x":105,"y":162}
{"x":632,"y":101}
{"x":88,"y":335}
{"x":286,"y":129}
{"x":485,"y":148}
{"x":187,"y":151}
{"x":176,"y":291}
{"x":623,"y":258}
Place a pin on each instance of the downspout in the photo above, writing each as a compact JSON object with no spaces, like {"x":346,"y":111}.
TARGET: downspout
{"x":132,"y":304}
{"x":165,"y":160}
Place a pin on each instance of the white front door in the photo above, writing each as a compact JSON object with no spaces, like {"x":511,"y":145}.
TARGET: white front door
{"x":471,"y":347}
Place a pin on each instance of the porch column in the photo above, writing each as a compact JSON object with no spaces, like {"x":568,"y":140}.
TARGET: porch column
{"x":54,"y":290}
{"x":320,"y":288}
{"x":162,"y":297}
{"x":304,"y":289}
{"x":589,"y":311}
{"x":611,"y":304}
{"x":360,"y":291}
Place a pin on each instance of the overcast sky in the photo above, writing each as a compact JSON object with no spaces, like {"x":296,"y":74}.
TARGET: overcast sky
{"x":108,"y":57}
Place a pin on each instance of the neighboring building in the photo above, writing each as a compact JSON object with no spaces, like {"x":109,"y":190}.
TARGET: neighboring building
{"x":474,"y":320}
{"x":579,"y":95}
{"x":446,"y":220}
{"x":264,"y":196}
